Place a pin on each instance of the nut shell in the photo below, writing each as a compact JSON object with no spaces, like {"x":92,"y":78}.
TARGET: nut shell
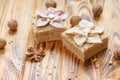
{"x":13,"y":24}
{"x":97,"y":10}
{"x":29,"y":54}
{"x":75,"y":20}
{"x":51,"y":3}
{"x":37,"y":58}
{"x":30,"y":49}
{"x":2,"y":43}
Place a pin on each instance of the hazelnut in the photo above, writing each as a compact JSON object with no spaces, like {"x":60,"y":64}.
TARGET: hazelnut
{"x":97,"y":10}
{"x":12,"y":24}
{"x":2,"y":43}
{"x":50,"y":3}
{"x":75,"y":20}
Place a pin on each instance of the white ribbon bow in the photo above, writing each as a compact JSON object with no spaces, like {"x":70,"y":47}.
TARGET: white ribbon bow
{"x":51,"y":16}
{"x":86,"y":32}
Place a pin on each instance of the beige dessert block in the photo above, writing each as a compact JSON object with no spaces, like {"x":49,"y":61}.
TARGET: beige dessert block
{"x":47,"y":33}
{"x":49,"y":24}
{"x":87,"y":50}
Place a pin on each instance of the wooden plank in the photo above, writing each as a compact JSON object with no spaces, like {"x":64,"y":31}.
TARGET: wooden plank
{"x":110,"y":20}
{"x":11,"y":58}
{"x":58,"y":62}
{"x":2,"y":7}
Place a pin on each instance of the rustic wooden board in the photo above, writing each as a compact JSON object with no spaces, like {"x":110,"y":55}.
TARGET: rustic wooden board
{"x":11,"y":58}
{"x":2,"y":7}
{"x":58,"y":62}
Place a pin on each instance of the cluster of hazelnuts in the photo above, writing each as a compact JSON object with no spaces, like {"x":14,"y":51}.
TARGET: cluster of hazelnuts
{"x":34,"y":56}
{"x":97,"y":11}
{"x":12,"y":24}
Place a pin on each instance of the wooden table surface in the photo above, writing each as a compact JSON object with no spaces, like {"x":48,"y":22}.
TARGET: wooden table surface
{"x":58,"y":62}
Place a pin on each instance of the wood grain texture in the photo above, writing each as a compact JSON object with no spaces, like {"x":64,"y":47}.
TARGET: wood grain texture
{"x":11,"y":58}
{"x":110,"y":20}
{"x":58,"y":62}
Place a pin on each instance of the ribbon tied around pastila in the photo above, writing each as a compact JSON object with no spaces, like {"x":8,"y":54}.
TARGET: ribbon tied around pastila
{"x":51,"y":16}
{"x":86,"y":32}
